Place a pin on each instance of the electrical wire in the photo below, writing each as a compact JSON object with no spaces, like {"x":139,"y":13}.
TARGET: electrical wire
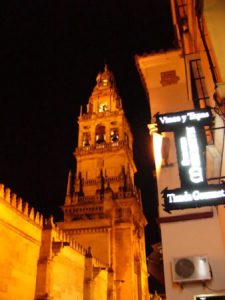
{"x":213,"y":290}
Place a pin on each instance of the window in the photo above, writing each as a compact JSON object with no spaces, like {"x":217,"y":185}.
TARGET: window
{"x":86,"y":139}
{"x":100,"y":134}
{"x":199,"y":92}
{"x":103,"y":107}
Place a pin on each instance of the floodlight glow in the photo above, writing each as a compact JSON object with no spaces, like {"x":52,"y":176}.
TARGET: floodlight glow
{"x":157,"y":145}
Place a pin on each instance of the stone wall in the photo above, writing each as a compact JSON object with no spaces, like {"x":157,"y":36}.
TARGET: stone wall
{"x":39,"y":261}
{"x":60,"y":266}
{"x":66,"y":270}
{"x":20,"y":236}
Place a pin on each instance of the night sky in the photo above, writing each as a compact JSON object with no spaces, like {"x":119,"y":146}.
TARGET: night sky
{"x":51,"y":53}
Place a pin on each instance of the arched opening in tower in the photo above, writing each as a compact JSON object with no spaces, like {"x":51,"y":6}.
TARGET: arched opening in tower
{"x":114,"y":135}
{"x":100,"y":134}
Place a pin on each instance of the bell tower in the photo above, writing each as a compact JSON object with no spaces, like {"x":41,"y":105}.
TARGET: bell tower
{"x":103,"y":207}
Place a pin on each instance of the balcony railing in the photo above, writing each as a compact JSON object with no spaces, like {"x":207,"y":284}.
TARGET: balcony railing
{"x":103,"y":147}
{"x":100,"y":114}
{"x":84,"y":210}
{"x":108,"y":179}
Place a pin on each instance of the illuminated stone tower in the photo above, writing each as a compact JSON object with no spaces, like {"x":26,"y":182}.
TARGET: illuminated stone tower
{"x":103,"y":208}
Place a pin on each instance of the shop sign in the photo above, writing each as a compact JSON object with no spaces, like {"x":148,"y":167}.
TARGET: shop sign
{"x":190,"y":145}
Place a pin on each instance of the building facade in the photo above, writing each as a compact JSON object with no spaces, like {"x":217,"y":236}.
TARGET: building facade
{"x":190,"y":78}
{"x":103,"y":207}
{"x":39,"y":261}
{"x":98,"y":251}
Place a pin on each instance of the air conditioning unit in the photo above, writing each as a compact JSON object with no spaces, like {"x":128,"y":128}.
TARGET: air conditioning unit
{"x":190,"y":268}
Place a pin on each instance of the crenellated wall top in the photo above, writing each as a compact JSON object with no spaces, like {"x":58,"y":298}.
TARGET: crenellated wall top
{"x":19,"y":205}
{"x":62,"y":239}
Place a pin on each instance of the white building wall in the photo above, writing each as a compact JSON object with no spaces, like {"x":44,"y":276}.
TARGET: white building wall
{"x":202,"y":233}
{"x":193,"y":238}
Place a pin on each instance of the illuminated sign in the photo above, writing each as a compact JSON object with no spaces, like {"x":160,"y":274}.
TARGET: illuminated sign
{"x":190,"y":155}
{"x":170,"y":122}
{"x":190,"y":144}
{"x":185,"y":198}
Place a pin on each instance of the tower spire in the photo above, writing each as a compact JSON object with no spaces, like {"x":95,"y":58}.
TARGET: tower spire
{"x":105,"y":198}
{"x":105,"y":96}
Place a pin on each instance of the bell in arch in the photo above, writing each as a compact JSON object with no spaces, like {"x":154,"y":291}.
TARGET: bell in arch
{"x":100,"y":134}
{"x":114,"y":135}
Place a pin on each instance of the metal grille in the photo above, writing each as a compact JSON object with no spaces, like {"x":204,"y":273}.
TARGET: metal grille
{"x":199,"y":91}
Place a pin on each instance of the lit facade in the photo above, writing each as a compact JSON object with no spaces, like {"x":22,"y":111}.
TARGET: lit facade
{"x":190,"y":77}
{"x":98,"y":251}
{"x":103,"y":208}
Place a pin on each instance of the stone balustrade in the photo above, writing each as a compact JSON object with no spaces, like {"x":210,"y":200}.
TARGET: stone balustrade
{"x":110,"y":179}
{"x":103,"y":147}
{"x":104,"y":114}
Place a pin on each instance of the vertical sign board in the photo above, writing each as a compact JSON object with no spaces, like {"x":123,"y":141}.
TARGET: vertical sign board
{"x":190,"y":155}
{"x":190,"y":145}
